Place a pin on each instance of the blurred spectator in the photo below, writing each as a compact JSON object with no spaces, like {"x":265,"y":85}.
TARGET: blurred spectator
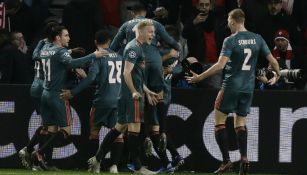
{"x":287,"y":5}
{"x":179,"y":11}
{"x":18,"y":41}
{"x":254,"y":11}
{"x":16,"y":65}
{"x":183,"y":47}
{"x":161,"y":15}
{"x":277,"y":18}
{"x":82,"y":19}
{"x":283,"y":50}
{"x":286,"y":59}
{"x":204,"y":33}
{"x":19,"y":17}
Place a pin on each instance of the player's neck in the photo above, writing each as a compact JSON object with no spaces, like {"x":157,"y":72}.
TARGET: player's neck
{"x":57,"y":43}
{"x":240,"y":28}
{"x":139,"y":41}
{"x":103,"y":46}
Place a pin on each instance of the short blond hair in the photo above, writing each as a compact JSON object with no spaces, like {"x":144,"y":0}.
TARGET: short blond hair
{"x":141,"y":25}
{"x":237,"y":15}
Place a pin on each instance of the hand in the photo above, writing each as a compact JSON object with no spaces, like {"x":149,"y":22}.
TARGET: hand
{"x":167,"y":70}
{"x":78,"y":50}
{"x":80,"y":73}
{"x":101,"y":53}
{"x":194,"y":79}
{"x":200,"y":18}
{"x":173,"y":53}
{"x":263,"y":79}
{"x":274,"y":79}
{"x":66,"y":94}
{"x":152,"y":97}
{"x":136,"y":95}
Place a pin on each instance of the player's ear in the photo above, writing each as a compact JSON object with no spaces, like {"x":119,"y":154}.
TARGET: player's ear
{"x":57,"y":37}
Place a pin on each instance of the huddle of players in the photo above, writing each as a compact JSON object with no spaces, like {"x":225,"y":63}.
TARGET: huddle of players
{"x":122,"y":84}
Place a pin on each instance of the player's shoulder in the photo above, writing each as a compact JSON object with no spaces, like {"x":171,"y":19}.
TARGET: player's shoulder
{"x":131,"y":45}
{"x":61,"y":52}
{"x":113,"y":55}
{"x":132,"y":49}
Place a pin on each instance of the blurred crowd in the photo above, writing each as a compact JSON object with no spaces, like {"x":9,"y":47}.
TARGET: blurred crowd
{"x":199,"y":26}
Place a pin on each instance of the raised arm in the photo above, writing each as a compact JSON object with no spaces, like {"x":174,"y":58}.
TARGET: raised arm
{"x":166,"y":37}
{"x":218,"y":66}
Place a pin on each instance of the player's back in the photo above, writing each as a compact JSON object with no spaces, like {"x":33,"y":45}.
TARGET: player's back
{"x":38,"y":67}
{"x":108,"y":80}
{"x":243,"y":49}
{"x":126,"y":32}
{"x":130,"y":34}
{"x":54,"y":69}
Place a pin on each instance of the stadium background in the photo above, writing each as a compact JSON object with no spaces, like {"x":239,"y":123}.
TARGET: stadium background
{"x":276,"y":141}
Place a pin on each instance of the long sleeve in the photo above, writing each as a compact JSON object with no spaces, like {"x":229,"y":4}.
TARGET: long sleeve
{"x":90,"y":78}
{"x":166,"y":37}
{"x":66,"y":59}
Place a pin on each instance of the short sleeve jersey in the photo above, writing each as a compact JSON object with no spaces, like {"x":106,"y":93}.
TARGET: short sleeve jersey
{"x":242,"y":49}
{"x":134,"y":54}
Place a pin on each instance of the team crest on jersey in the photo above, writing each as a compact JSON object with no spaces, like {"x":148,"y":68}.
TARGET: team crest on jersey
{"x":132,"y":54}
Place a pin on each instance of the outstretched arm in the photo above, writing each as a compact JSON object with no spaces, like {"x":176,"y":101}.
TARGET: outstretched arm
{"x":211,"y":71}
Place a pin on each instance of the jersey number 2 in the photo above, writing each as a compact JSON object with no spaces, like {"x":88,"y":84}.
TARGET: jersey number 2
{"x":248,"y":53}
{"x":115,"y":70}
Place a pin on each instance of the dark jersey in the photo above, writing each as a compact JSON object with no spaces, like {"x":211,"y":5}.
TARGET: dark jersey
{"x":107,"y":74}
{"x":134,"y":54}
{"x":126,"y":32}
{"x":242,"y":49}
{"x":56,"y":61}
{"x":38,"y":68}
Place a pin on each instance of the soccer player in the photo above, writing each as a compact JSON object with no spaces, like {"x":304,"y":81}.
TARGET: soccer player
{"x":56,"y":112}
{"x":238,"y":59}
{"x":131,"y":100}
{"x":153,"y":66}
{"x":36,"y":91}
{"x":106,"y":73}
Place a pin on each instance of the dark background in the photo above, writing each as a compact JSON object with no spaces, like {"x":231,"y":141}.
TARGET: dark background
{"x":14,"y":128}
